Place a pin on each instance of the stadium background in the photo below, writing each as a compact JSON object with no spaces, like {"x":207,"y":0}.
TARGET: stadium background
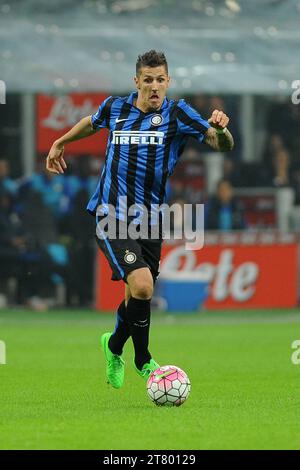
{"x":58,"y":61}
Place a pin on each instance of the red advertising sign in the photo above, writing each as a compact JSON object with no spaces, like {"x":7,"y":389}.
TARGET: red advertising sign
{"x":238,"y":276}
{"x":57,"y":114}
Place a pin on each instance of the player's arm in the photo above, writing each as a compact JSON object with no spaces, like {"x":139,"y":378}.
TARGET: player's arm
{"x":218,"y":136}
{"x":55,"y":160}
{"x":213,"y":132}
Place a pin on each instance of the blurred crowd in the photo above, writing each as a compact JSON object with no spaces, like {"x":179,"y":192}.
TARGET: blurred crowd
{"x":277,"y":166}
{"x":47,"y":237}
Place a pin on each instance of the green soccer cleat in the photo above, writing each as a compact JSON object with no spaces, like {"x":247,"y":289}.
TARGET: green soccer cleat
{"x":147,"y":369}
{"x":115,"y":364}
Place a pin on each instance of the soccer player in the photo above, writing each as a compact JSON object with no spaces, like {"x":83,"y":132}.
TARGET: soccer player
{"x":147,"y":135}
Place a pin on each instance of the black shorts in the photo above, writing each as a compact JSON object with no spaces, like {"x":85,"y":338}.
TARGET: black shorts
{"x":124,"y":256}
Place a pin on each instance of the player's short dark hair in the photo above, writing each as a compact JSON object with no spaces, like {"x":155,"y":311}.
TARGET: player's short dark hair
{"x":151,"y":59}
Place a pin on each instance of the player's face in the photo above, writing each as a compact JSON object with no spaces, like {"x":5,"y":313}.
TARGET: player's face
{"x":152,"y":84}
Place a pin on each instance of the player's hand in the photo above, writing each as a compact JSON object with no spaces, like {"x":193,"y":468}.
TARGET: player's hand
{"x":218,"y":119}
{"x":55,"y":162}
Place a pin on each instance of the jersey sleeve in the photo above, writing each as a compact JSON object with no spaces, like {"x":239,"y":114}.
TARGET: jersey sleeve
{"x":190,"y":122}
{"x":100,"y":118}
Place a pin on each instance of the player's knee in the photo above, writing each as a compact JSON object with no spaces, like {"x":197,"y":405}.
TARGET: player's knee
{"x":142,"y":288}
{"x":143,"y":291}
{"x":140,"y":284}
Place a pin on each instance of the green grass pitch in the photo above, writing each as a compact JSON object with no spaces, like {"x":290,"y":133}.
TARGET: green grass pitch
{"x":245,"y":389}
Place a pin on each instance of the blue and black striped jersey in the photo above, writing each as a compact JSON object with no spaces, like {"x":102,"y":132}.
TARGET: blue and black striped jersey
{"x":142,"y":149}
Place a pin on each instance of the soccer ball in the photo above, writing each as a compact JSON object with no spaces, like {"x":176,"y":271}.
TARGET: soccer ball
{"x":168,"y":386}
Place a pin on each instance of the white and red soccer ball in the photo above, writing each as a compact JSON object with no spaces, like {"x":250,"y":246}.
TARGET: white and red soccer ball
{"x":168,"y":386}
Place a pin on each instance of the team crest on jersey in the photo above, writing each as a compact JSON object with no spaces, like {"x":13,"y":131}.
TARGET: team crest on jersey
{"x":156,"y":120}
{"x":130,"y":257}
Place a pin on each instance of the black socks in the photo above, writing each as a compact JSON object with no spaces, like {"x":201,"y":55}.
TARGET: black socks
{"x":121,"y":333}
{"x":138,"y":317}
{"x":132,"y":321}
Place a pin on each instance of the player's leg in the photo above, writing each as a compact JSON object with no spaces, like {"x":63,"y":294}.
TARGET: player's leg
{"x":150,"y":252}
{"x":140,"y":282}
{"x":127,"y":262}
{"x":127,"y":294}
{"x":113,"y":349}
{"x":122,"y":330}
